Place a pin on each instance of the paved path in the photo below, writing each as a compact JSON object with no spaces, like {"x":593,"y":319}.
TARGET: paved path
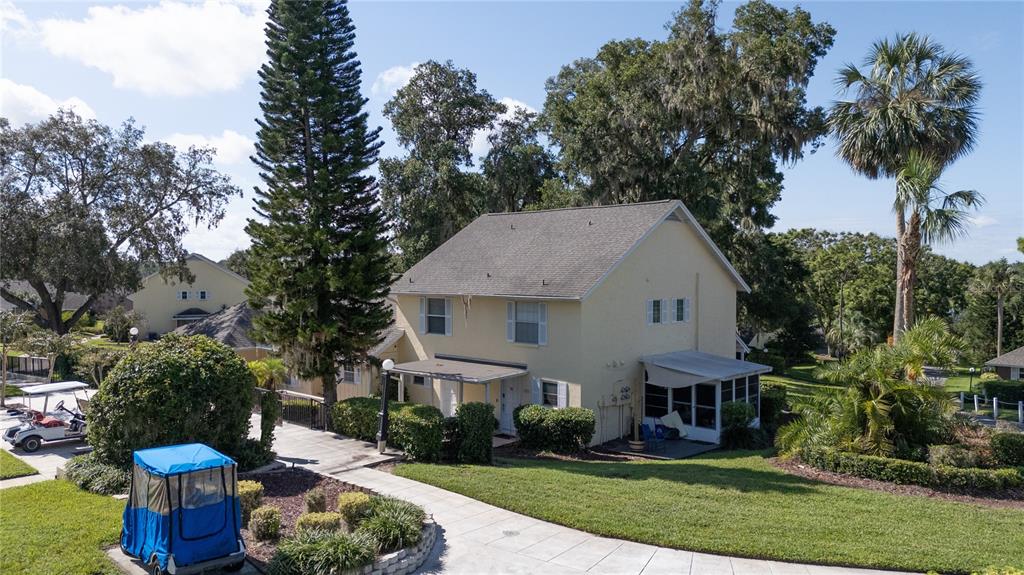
{"x":320,"y":451}
{"x":480,"y":538}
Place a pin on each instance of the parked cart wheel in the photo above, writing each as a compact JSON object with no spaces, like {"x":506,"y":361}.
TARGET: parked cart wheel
{"x":31,"y":443}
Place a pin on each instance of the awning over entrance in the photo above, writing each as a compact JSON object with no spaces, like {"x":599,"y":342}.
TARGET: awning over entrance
{"x":684,"y":368}
{"x":455,"y":370}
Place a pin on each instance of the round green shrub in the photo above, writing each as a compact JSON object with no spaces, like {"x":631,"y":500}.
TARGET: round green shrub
{"x":91,"y":474}
{"x":357,"y":417}
{"x":475,"y":422}
{"x":736,"y":431}
{"x":316,"y":500}
{"x":570,"y":429}
{"x":324,"y":521}
{"x":322,"y":552}
{"x":393,"y":524}
{"x":177,"y":390}
{"x":353,"y":507}
{"x":529,"y":421}
{"x":1008,"y":448}
{"x":417,"y":430}
{"x":265,"y":523}
{"x":250,"y":495}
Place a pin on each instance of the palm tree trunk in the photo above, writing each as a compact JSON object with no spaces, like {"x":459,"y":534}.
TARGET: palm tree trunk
{"x":897,"y":321}
{"x":911,"y":250}
{"x":999,"y":326}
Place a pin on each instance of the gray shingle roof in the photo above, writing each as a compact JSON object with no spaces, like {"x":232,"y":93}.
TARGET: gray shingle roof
{"x":555,"y":254}
{"x":229,"y":326}
{"x":1013,"y":358}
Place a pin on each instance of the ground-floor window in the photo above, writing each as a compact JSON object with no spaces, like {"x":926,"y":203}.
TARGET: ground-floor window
{"x":682,"y":401}
{"x":705,"y":402}
{"x":655,"y":400}
{"x":745,"y":389}
{"x":550,"y":393}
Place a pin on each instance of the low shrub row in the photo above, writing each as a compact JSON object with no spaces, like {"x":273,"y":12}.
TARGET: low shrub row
{"x":564,"y":430}
{"x":89,"y":473}
{"x":913,"y":472}
{"x":1006,"y":391}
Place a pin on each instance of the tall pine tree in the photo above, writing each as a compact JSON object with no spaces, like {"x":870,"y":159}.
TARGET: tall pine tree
{"x":319,"y":262}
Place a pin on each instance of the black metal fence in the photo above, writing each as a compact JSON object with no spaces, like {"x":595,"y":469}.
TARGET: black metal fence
{"x":25,"y":365}
{"x":299,"y":408}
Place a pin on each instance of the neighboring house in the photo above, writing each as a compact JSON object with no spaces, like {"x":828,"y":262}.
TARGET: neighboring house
{"x":576,"y":307}
{"x":232,"y":327}
{"x":166,"y":304}
{"x":1010,"y":365}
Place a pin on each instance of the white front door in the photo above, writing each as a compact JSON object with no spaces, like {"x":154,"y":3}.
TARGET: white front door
{"x":449,"y":397}
{"x":511,"y":397}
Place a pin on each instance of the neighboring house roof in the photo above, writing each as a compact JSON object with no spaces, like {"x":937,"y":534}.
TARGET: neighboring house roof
{"x":202,"y":258}
{"x":391,"y":336}
{"x":230,"y":326}
{"x":1013,"y":358}
{"x":549,"y":254}
{"x":191,"y":313}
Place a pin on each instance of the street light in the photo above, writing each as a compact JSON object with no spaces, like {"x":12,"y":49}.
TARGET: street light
{"x":971,"y":385}
{"x":382,"y":429}
{"x":134,"y":333}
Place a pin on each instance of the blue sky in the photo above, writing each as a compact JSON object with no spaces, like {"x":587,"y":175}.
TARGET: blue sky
{"x":186,"y":71}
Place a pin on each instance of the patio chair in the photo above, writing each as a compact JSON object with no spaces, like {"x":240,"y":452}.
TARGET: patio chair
{"x":652,"y":438}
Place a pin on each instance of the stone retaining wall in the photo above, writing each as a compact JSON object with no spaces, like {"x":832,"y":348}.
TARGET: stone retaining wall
{"x":408,"y":560}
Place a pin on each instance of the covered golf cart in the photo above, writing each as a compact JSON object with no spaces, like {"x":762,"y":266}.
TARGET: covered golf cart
{"x":62,"y":423}
{"x":183,"y":513}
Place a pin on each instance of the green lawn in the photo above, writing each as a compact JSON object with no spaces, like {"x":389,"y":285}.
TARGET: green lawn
{"x":737,"y":503}
{"x":54,"y":528}
{"x":11,"y":466}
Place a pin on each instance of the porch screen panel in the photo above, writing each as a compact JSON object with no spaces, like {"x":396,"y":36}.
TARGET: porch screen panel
{"x":682,"y":401}
{"x":727,"y":390}
{"x":705,"y":405}
{"x":655,"y":400}
{"x":754,"y":393}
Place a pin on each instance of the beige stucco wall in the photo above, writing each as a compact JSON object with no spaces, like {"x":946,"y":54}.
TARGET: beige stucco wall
{"x":157,"y":300}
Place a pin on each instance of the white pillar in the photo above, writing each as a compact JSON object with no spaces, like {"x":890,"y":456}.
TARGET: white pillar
{"x":961,"y":401}
{"x":487,"y":392}
{"x":462,"y":390}
{"x":401,"y":388}
{"x":975,"y":402}
{"x":1020,"y":412}
{"x":995,"y":408}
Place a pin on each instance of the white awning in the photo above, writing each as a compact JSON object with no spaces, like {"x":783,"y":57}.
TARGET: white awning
{"x":685,"y":368}
{"x":55,"y":387}
{"x":455,"y":370}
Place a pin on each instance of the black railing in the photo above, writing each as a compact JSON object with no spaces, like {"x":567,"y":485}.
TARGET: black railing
{"x":299,"y":408}
{"x":25,"y":365}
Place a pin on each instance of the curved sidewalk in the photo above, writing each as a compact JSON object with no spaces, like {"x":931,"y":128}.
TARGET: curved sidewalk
{"x":481,"y":538}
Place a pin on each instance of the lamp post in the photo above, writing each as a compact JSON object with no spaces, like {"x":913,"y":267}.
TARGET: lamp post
{"x":133,"y":335}
{"x":971,"y":380}
{"x":382,"y":429}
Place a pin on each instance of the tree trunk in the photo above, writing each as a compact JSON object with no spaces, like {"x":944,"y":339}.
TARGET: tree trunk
{"x":897,"y":321}
{"x":910,"y":247}
{"x":999,"y":326}
{"x":330,"y":390}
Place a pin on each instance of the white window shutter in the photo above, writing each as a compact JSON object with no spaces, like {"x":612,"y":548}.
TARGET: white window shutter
{"x":649,"y":305}
{"x":686,"y":309}
{"x":536,"y":388}
{"x":664,"y":311}
{"x":448,"y":316}
{"x":423,"y":315}
{"x":672,"y":315}
{"x":542,"y":324}
{"x":563,"y":395}
{"x":358,"y":374}
{"x":510,"y":321}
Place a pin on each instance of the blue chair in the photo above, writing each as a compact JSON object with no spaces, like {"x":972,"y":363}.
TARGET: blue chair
{"x":653,"y":438}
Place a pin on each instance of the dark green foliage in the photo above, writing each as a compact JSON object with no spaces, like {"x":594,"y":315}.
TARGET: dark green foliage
{"x":737,"y":416}
{"x":475,"y":431}
{"x":316,"y":500}
{"x":566,"y":430}
{"x":322,"y":552}
{"x":357,"y":417}
{"x":265,"y":523}
{"x":238,"y":262}
{"x":773,"y":403}
{"x":517,"y":165}
{"x":177,"y":390}
{"x":1006,"y":391}
{"x":88,"y":472}
{"x":414,"y":428}
{"x":994,"y":282}
{"x":772,"y":359}
{"x":913,"y":472}
{"x":270,"y":411}
{"x":318,"y":262}
{"x":252,"y":454}
{"x":952,"y":456}
{"x":1008,"y":448}
{"x":118,"y":322}
{"x":451,"y":440}
{"x":393,"y":524}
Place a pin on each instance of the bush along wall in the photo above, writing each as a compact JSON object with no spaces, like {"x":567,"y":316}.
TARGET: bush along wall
{"x":563,"y":430}
{"x":416,"y":429}
{"x":902,"y":471}
{"x":1006,"y":391}
{"x":475,"y":430}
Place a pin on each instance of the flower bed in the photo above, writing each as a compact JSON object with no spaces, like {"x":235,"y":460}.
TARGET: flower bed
{"x":386,"y":535}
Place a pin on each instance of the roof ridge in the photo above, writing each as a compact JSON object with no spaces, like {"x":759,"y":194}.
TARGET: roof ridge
{"x":631,"y":204}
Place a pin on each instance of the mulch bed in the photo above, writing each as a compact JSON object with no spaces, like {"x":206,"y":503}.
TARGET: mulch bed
{"x":1011,"y":498}
{"x":286,"y":490}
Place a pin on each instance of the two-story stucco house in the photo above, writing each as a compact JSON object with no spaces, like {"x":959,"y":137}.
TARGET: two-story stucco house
{"x":166,"y":304}
{"x":576,"y":307}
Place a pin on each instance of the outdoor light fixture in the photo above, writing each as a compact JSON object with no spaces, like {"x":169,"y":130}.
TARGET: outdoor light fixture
{"x":134,"y":333}
{"x":382,"y":428}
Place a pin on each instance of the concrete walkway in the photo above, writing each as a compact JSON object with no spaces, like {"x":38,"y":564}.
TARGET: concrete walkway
{"x":321,"y":451}
{"x":480,"y":538}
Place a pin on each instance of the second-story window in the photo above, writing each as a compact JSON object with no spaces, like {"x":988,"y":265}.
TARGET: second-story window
{"x":349,"y":373}
{"x":657,"y":311}
{"x":436,"y":315}
{"x":527,"y":322}
{"x":681,"y":309}
{"x":202,"y":294}
{"x":183,"y":294}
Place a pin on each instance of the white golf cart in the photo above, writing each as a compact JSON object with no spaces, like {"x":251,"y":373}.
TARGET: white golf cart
{"x":36,"y":427}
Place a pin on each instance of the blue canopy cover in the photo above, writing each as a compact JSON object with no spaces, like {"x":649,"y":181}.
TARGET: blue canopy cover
{"x":183,"y":508}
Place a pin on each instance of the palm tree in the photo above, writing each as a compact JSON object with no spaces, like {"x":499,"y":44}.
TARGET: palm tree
{"x":933,"y":217}
{"x":913,"y":96}
{"x":999,"y":279}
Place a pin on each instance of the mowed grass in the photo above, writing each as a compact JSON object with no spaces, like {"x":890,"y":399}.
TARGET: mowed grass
{"x":737,"y":503}
{"x":11,"y":466}
{"x":54,"y":528}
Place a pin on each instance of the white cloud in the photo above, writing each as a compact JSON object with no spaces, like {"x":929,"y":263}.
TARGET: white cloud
{"x":393,"y":79}
{"x":983,"y":221}
{"x":172,"y":48}
{"x":480,"y":145}
{"x":20,"y":103}
{"x":228,"y":236}
{"x":12,"y":19}
{"x":232,"y":147}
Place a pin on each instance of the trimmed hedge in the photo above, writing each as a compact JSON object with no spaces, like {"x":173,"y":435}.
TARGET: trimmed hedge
{"x":323,"y":521}
{"x":902,"y":471}
{"x":1008,"y":448}
{"x":952,"y":456}
{"x":250,"y":494}
{"x":563,"y":430}
{"x":475,"y":423}
{"x":353,"y":507}
{"x":1006,"y":391}
{"x":414,"y":428}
